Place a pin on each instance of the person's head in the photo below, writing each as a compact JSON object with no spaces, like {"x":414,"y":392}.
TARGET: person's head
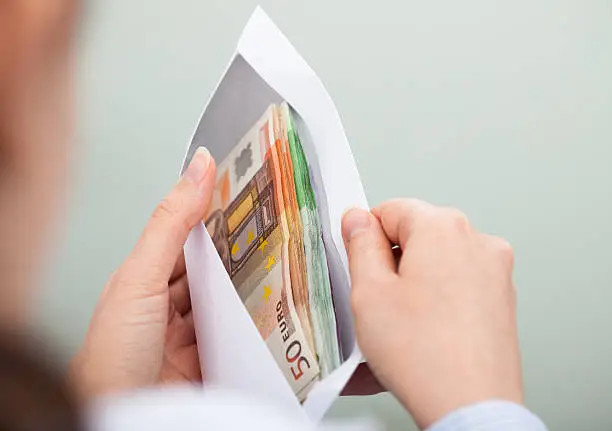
{"x":35,"y":130}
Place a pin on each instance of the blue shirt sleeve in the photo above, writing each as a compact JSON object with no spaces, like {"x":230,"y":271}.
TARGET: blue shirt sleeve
{"x":490,"y":416}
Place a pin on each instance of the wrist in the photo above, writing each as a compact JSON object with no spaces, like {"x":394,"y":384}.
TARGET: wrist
{"x":490,"y":415}
{"x":428,"y":408}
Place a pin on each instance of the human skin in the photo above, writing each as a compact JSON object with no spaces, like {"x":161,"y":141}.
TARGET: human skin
{"x":438,"y":328}
{"x":35,"y":132}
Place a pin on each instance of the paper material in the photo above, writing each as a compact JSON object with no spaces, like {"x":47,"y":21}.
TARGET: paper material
{"x":267,"y":69}
{"x":257,"y":235}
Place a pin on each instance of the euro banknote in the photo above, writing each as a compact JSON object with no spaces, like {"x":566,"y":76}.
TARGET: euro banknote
{"x":264,"y":225}
{"x":319,"y":286}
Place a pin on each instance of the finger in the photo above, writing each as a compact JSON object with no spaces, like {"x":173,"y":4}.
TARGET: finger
{"x":188,"y":359}
{"x":181,"y":366}
{"x":189,"y":323}
{"x":152,"y":261}
{"x":369,"y":250}
{"x":397,"y":218}
{"x":180,"y":269}
{"x":501,"y":248}
{"x":179,"y":295}
{"x":181,"y":332}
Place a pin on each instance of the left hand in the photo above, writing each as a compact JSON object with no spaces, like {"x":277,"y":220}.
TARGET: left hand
{"x":142,"y":331}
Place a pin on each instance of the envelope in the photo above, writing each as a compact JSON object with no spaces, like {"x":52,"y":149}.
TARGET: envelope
{"x":267,"y":69}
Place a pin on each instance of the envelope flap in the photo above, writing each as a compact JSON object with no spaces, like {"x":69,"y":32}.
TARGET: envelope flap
{"x":232,"y":352}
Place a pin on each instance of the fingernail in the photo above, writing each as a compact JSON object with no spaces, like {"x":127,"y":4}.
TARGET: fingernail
{"x":354,"y":221}
{"x":199,"y":165}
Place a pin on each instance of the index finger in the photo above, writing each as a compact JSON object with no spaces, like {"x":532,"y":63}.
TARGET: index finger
{"x":398,"y":217}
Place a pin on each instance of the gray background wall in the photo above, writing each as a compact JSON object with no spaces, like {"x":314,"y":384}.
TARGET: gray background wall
{"x":503,"y":109}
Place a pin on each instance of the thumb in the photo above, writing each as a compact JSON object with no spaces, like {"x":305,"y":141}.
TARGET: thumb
{"x":369,"y":250}
{"x":160,"y":245}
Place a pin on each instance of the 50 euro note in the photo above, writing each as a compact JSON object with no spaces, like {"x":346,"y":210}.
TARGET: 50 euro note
{"x":323,"y":315}
{"x":297,"y":260}
{"x":249,"y":225}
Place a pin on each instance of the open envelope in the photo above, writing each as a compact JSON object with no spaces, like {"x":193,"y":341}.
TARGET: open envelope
{"x":267,"y":69}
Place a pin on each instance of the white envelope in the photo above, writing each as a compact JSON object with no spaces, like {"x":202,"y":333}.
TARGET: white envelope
{"x":267,"y":69}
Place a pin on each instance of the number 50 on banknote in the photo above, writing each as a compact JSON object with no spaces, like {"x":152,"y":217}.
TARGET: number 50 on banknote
{"x":267,"y":268}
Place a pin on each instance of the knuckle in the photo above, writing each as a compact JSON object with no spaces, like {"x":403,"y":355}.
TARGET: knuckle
{"x":505,"y":250}
{"x":402,"y":207}
{"x":393,"y":204}
{"x":168,"y":212}
{"x":457,"y":219}
{"x":167,"y":209}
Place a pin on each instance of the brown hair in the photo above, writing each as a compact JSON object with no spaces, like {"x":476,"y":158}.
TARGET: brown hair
{"x":32,"y":395}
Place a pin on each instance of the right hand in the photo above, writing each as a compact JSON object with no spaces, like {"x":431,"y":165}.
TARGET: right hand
{"x":438,"y":328}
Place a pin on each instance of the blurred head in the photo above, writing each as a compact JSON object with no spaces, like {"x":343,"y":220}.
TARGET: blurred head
{"x":35,"y":130}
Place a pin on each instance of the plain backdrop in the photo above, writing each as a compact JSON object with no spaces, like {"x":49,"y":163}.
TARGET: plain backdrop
{"x":503,"y":109}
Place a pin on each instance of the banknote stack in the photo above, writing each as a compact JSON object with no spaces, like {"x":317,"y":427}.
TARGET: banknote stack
{"x":264,"y":222}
